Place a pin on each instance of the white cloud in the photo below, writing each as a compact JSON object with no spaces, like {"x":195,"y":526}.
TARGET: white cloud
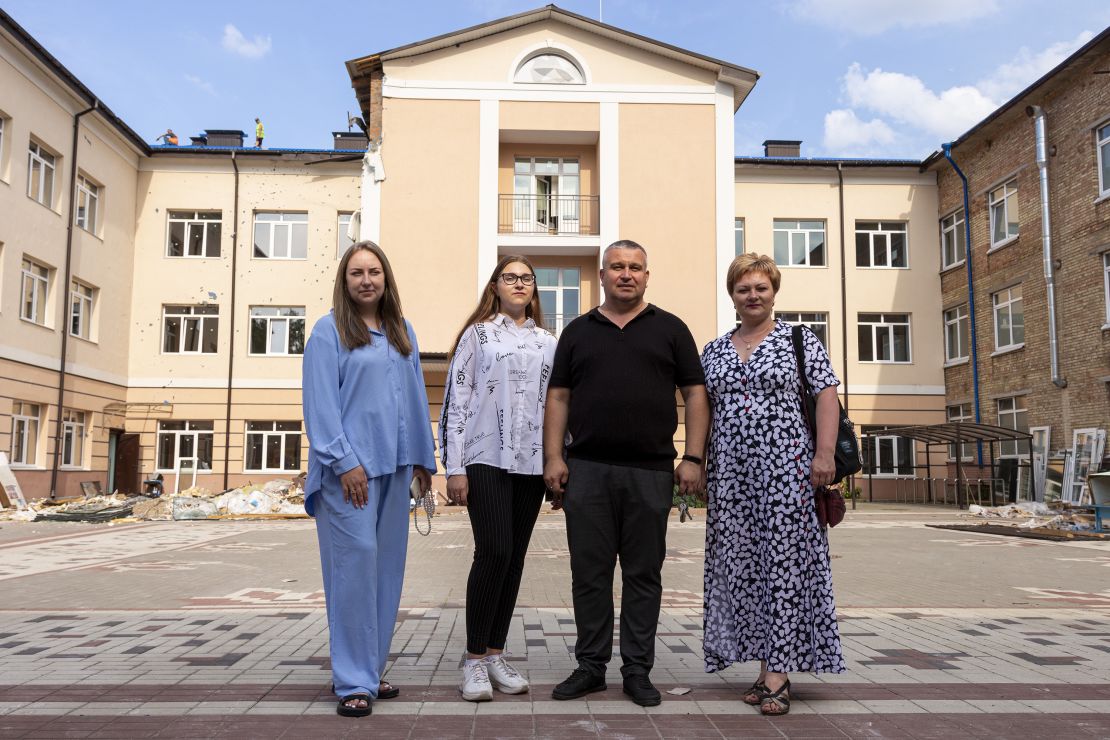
{"x":870,"y":17}
{"x":201,"y":84}
{"x":846,"y":134}
{"x":1027,"y":67}
{"x":235,"y":42}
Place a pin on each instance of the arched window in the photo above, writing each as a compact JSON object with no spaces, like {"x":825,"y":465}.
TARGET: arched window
{"x":550,"y":68}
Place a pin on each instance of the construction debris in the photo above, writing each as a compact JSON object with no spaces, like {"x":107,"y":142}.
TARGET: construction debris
{"x":1034,"y":515}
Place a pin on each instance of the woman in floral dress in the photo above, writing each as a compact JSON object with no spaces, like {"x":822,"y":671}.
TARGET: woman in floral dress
{"x":768,"y":585}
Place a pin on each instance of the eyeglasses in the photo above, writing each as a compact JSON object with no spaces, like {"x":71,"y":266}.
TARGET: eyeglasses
{"x":510,"y":278}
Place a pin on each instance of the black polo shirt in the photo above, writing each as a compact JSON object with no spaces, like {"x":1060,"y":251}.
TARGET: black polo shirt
{"x":622,"y":385}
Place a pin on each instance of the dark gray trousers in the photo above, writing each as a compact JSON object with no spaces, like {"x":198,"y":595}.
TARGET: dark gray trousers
{"x":616,"y":512}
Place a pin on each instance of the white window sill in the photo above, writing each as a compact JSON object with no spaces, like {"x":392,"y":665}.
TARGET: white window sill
{"x":25,"y":466}
{"x":93,"y":234}
{"x":886,"y":362}
{"x":952,"y":267}
{"x":44,"y":205}
{"x":271,"y":472}
{"x":881,"y":267}
{"x":35,"y":323}
{"x":1102,"y":198}
{"x":183,"y":472}
{"x":803,"y":267}
{"x":956,"y":363}
{"x":85,"y":339}
{"x":1007,"y":350}
{"x":1106,"y":326}
{"x":275,"y":355}
{"x":72,"y":468}
{"x":1003,"y":244}
{"x":277,"y":259}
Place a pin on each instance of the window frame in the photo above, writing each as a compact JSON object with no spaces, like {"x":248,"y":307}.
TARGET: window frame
{"x":738,"y":236}
{"x":872,"y":447}
{"x":3,"y":131}
{"x":889,"y":325}
{"x":74,"y":429}
{"x":1008,"y":189}
{"x":202,"y":319}
{"x":266,"y":434}
{"x":964,"y":414}
{"x":997,"y":306}
{"x":30,"y":437}
{"x":87,"y":303}
{"x":958,"y":230}
{"x":871,"y":239}
{"x":1019,"y":412}
{"x":1106,"y":286}
{"x":798,"y":230}
{"x":270,"y":319}
{"x":288,"y":220}
{"x":191,"y":428}
{"x":40,"y":155}
{"x":962,"y":323}
{"x":810,"y":319}
{"x":40,"y":291}
{"x":87,"y":190}
{"x":559,"y":319}
{"x":1102,"y":154}
{"x":342,"y":241}
{"x":196,"y":219}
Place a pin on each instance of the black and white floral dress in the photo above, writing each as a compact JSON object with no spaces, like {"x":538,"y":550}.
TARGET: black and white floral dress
{"x":768,"y":585}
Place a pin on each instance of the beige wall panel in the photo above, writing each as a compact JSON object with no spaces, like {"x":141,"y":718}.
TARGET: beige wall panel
{"x":543,"y":116}
{"x":667,"y":204}
{"x":491,"y":59}
{"x":430,"y":212}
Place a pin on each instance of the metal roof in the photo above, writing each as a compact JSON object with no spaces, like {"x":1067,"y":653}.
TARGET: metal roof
{"x":952,"y":432}
{"x":829,"y":161}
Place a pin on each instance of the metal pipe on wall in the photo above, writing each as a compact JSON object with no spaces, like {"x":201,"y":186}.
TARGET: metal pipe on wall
{"x":231,"y":323}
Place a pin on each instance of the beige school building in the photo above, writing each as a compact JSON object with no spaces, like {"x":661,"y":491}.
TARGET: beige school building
{"x":178,"y":282}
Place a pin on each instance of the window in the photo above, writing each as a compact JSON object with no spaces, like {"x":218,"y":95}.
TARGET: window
{"x":1103,"y":144}
{"x":194,"y":234}
{"x":277,"y":330}
{"x":343,"y":242}
{"x":799,"y":243}
{"x":1106,"y":283}
{"x":25,"y":432}
{"x":886,"y":454}
{"x":1012,"y":414}
{"x":188,"y":442}
{"x":81,"y":300}
{"x":546,"y":197}
{"x":549,"y":68}
{"x":281,"y":236}
{"x":73,"y":438}
{"x":738,"y":230}
{"x":961,"y":413}
{"x":957,"y":331}
{"x":818,"y":322}
{"x":273,"y":446}
{"x":3,"y":122}
{"x":1004,"y":213}
{"x":953,"y":240}
{"x":560,"y":288}
{"x":88,"y":200}
{"x":1009,"y":319}
{"x":881,"y":244}
{"x":884,"y":337}
{"x":190,"y":329}
{"x":40,"y":175}
{"x":35,"y":292}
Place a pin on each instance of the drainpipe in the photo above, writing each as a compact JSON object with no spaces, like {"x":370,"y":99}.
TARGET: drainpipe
{"x":970,"y":313}
{"x":1039,"y":126}
{"x":844,"y":306}
{"x":66,"y":297}
{"x":231,"y":322}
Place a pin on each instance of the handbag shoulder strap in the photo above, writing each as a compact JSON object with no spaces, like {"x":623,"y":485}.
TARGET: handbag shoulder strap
{"x":800,"y":357}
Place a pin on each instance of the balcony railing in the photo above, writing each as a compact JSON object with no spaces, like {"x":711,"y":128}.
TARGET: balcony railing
{"x":570,"y":215}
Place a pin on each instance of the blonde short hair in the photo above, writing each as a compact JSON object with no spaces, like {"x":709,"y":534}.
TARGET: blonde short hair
{"x":746,"y":263}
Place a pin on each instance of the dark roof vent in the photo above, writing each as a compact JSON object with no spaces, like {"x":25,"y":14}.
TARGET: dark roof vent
{"x":782,"y":148}
{"x":224,"y":137}
{"x":355,"y":140}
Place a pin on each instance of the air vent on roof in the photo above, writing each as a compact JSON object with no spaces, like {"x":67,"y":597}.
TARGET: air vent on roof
{"x":782,"y":148}
{"x":355,"y":140}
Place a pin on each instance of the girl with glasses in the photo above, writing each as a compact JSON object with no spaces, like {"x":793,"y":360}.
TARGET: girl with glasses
{"x":491,"y":440}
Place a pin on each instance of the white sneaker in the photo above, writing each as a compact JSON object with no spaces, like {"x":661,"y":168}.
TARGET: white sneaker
{"x":475,"y":684}
{"x":503,"y":676}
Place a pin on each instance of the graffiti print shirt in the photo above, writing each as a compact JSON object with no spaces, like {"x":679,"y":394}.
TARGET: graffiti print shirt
{"x":494,"y":398}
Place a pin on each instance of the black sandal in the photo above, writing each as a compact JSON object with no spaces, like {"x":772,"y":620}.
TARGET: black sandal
{"x":754,"y":696}
{"x":776,"y":703}
{"x":386,"y":690}
{"x":345,"y":711}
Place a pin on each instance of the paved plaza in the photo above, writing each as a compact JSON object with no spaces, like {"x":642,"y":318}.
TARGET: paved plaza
{"x":217,"y":628}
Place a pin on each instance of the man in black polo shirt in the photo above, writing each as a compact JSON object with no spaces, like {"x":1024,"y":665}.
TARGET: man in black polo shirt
{"x":613,"y":388}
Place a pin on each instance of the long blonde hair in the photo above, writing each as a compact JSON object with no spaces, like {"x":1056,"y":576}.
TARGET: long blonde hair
{"x":489,"y":304}
{"x":348,"y":321}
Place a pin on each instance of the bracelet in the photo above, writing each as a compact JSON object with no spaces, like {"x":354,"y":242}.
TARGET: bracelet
{"x":693,"y":458}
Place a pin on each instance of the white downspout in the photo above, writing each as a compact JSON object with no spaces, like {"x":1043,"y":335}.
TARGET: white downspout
{"x":1039,"y":127}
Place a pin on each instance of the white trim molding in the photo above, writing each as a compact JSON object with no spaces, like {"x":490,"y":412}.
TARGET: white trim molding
{"x":609,"y":162}
{"x":488,"y":154}
{"x":725,"y":203}
{"x":555,"y":47}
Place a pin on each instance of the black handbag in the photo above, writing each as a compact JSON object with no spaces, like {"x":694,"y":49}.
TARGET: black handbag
{"x":846,"y":451}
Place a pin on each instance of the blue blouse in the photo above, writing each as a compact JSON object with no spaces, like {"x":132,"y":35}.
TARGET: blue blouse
{"x":364,"y":407}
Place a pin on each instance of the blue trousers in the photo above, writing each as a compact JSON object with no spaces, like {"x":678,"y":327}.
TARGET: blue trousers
{"x":362,"y":557}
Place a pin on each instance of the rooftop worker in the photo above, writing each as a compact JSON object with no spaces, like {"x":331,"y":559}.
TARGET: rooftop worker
{"x":170,"y":137}
{"x":259,"y":133}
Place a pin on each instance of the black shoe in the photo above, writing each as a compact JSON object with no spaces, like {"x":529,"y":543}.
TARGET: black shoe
{"x":639,"y":687}
{"x":579,"y":683}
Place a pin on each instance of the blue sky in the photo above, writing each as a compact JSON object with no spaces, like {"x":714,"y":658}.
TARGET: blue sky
{"x":879,"y":78}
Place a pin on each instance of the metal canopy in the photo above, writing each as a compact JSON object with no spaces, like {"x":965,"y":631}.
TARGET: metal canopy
{"x":953,"y":432}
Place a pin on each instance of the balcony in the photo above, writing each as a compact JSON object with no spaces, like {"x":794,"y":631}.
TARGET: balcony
{"x":554,"y":215}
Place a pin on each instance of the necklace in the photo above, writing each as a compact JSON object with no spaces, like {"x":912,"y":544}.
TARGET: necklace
{"x":760,"y":334}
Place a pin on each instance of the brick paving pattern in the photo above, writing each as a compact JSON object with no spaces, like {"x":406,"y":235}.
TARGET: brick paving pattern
{"x":214,"y":629}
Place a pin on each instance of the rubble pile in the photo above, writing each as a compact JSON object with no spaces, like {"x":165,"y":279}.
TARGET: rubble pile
{"x":1034,"y":515}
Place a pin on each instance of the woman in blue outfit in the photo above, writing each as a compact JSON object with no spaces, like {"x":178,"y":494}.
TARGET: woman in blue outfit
{"x":366,"y":413}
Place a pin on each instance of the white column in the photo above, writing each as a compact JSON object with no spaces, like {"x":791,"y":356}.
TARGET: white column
{"x":726,"y":204}
{"x":608,"y":154}
{"x":370,"y":224}
{"x":488,"y":143}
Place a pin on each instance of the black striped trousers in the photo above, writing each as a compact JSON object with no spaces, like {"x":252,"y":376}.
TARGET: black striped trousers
{"x":503,"y":508}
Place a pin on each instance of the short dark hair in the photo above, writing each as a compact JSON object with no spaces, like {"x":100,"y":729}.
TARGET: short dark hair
{"x":624,"y":244}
